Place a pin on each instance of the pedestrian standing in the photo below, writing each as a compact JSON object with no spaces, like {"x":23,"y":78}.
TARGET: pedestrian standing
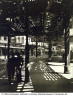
{"x":19,"y":63}
{"x":11,"y":68}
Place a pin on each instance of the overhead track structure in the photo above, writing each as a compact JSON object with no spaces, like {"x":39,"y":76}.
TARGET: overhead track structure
{"x":15,"y":21}
{"x":14,"y":11}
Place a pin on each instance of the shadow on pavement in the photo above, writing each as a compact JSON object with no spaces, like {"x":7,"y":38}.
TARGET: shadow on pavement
{"x":5,"y":87}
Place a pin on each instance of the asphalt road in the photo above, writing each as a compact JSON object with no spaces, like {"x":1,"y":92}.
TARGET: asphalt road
{"x":45,"y":79}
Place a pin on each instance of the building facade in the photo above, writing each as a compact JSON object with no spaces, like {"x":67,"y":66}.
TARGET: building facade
{"x":18,"y":43}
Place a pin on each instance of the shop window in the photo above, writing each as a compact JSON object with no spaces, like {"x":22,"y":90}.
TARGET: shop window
{"x":18,"y":39}
{"x":22,"y":39}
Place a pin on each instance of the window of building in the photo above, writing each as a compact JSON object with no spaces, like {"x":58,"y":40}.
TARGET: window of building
{"x":5,"y":38}
{"x":0,"y":37}
{"x":22,"y":39}
{"x":19,"y":39}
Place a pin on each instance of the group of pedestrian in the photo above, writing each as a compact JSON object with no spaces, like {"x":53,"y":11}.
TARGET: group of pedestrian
{"x":14,"y":65}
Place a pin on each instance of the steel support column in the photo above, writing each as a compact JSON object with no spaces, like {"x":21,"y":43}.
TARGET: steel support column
{"x":26,"y":60}
{"x":26,"y":48}
{"x":36,"y":46}
{"x":50,"y":45}
{"x":5,"y":51}
{"x":8,"y":47}
{"x":67,"y":49}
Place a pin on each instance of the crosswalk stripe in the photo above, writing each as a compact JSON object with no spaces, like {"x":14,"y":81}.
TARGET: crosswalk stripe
{"x":19,"y":87}
{"x":28,"y":86}
{"x":48,"y":76}
{"x":27,"y":90}
{"x":18,"y":90}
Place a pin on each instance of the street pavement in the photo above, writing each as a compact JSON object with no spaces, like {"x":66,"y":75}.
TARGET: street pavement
{"x":43,"y":78}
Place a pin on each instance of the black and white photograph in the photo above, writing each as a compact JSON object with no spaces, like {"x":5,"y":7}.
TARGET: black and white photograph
{"x":36,"y":47}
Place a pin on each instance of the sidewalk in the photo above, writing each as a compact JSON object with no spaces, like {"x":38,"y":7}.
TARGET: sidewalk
{"x":14,"y":87}
{"x":59,"y":67}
